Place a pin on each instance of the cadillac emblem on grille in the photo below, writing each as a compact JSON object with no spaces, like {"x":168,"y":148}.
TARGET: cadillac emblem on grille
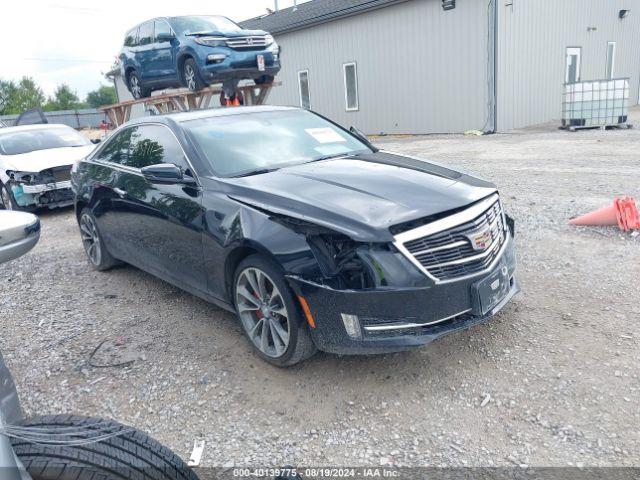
{"x":481,"y":241}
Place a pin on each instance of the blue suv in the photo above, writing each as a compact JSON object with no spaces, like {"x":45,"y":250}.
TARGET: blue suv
{"x":194,"y":52}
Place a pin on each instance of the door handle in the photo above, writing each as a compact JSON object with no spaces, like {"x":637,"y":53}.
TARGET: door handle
{"x":120,"y":193}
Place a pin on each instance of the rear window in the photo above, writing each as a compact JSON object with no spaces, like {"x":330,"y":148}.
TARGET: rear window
{"x":27,"y":141}
{"x":131,"y":39}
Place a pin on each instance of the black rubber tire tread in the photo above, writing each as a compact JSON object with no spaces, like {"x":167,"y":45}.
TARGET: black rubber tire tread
{"x":303,"y":347}
{"x":107,"y":262}
{"x":131,"y":456}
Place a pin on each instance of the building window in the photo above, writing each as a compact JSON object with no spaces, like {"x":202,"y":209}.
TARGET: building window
{"x":303,"y":84}
{"x":351,"y":86}
{"x":611,"y":60}
{"x":572,"y":74}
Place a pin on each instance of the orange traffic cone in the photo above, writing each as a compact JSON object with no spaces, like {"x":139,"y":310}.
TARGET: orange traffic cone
{"x":622,"y":212}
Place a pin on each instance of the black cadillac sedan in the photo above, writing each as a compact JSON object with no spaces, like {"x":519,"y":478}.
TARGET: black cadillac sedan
{"x":311,"y":235}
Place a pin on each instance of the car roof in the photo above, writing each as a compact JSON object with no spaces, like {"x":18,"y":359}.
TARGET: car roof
{"x":26,"y":128}
{"x":210,"y":113}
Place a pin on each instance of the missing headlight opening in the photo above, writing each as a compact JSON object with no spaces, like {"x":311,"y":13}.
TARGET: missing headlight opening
{"x":342,"y":266}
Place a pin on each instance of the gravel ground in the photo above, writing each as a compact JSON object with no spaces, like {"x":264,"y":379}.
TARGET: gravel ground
{"x":552,"y":381}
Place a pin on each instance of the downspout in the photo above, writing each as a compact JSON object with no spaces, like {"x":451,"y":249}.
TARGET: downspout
{"x":492,"y":67}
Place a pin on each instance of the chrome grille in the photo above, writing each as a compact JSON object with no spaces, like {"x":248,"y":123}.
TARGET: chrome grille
{"x":449,"y":253}
{"x":247,"y":43}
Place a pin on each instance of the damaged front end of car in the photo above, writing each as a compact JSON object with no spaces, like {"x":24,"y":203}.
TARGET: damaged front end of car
{"x":49,"y":188}
{"x":376,"y":297}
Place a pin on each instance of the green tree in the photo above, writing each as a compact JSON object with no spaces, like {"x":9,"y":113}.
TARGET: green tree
{"x":105,"y":95}
{"x":63,"y":99}
{"x":21,"y":96}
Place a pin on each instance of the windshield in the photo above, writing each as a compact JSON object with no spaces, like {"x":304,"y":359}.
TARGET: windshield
{"x":32,"y":140}
{"x":191,"y":25}
{"x":238,"y":144}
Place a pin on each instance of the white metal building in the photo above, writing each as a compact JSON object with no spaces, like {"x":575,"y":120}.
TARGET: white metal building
{"x":425,"y":66}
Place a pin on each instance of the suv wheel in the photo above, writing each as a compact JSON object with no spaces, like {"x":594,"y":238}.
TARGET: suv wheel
{"x":137,"y":89}
{"x":191,"y":76}
{"x":269,"y":314}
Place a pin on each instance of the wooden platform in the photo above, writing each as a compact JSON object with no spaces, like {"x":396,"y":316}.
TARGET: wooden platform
{"x":184,"y":100}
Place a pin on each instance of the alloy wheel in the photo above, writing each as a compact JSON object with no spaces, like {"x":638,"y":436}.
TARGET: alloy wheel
{"x":136,"y":91}
{"x":91,"y":239}
{"x":190,"y":77}
{"x":6,"y":200}
{"x":263,"y":312}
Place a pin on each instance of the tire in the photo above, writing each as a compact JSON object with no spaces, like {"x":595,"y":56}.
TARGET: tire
{"x":264,"y":79}
{"x":7,"y":202}
{"x":94,"y":246}
{"x":132,"y":455}
{"x":136,"y":87}
{"x":299,"y":345}
{"x":191,"y":76}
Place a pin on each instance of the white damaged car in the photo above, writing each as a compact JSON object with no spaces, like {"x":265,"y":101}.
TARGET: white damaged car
{"x":35,"y":165}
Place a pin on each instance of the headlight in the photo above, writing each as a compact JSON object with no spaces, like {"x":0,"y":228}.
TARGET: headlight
{"x":268,"y":39}
{"x":212,"y":41}
{"x":23,"y":177}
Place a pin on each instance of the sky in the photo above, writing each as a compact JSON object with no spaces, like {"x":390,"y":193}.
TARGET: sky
{"x":76,"y":41}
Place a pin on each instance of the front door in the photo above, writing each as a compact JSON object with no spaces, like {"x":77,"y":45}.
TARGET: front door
{"x":163,"y":53}
{"x":161,"y":223}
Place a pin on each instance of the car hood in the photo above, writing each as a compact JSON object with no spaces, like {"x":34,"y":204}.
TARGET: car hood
{"x":44,"y":159}
{"x":361,"y":196}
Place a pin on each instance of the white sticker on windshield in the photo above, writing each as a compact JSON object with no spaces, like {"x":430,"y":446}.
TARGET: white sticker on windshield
{"x":325,"y":135}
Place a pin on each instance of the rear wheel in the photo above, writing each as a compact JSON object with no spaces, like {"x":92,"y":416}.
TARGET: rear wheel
{"x":269,"y":313}
{"x":136,"y":87}
{"x":94,"y":246}
{"x":66,"y":447}
{"x":191,"y":75}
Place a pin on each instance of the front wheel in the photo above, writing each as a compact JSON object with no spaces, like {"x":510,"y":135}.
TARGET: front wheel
{"x":6,"y":199}
{"x":192,"y":79}
{"x":66,"y":447}
{"x":269,"y":313}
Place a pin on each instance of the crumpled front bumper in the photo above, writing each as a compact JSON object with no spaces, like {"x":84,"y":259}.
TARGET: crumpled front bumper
{"x":51,"y":195}
{"x":392,"y":320}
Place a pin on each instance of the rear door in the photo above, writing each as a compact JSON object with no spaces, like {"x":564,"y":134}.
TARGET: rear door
{"x":161,"y":223}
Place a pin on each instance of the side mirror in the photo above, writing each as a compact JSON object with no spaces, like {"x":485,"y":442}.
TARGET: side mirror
{"x":19,"y":233}
{"x":96,"y":141}
{"x":166,"y":173}
{"x":165,"y":37}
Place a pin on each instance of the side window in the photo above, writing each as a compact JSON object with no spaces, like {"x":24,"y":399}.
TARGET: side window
{"x":303,"y":87}
{"x":351,"y":87}
{"x":153,"y":144}
{"x":162,"y":27}
{"x":117,"y":150}
{"x":130,"y":39}
{"x":145,"y":35}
